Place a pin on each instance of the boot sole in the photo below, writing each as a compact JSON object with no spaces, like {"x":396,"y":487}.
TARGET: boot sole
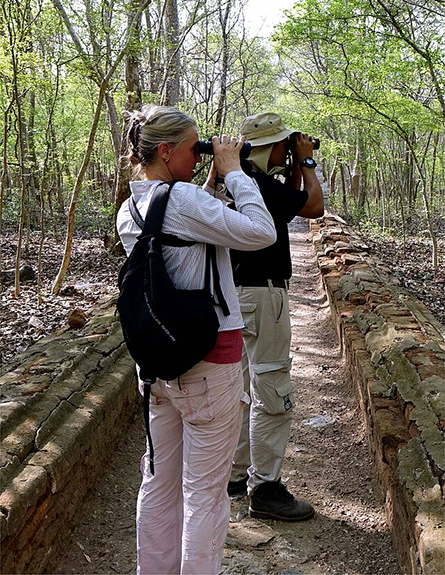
{"x":264,"y":515}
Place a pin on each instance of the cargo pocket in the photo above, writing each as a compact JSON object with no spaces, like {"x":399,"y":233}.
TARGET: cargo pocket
{"x":192,"y":400}
{"x":277,"y":299}
{"x":272,"y":387}
{"x":248,"y":311}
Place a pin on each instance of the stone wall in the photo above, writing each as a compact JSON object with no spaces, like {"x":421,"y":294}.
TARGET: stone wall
{"x":66,"y":401}
{"x":395,"y":352}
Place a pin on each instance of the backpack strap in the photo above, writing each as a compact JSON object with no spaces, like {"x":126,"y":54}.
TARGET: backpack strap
{"x":155,"y":214}
{"x":165,"y":239}
{"x":135,"y":213}
{"x":211,"y":261}
{"x":146,"y":407}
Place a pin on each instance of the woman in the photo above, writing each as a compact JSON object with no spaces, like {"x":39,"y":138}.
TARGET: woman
{"x":183,"y":510}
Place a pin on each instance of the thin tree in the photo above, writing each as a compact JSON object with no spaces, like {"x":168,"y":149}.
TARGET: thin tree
{"x":4,"y":176}
{"x":171,"y":93}
{"x":98,"y":110}
{"x":223,"y":20}
{"x":15,"y":24}
{"x":133,"y":102}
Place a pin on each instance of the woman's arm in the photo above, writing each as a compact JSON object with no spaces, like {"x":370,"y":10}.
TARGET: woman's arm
{"x":193,"y":213}
{"x":207,"y":219}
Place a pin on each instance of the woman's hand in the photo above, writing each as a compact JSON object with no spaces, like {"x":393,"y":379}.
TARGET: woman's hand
{"x":226,"y":156}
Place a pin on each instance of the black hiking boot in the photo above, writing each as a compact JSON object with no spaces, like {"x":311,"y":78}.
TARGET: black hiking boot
{"x":237,"y":489}
{"x":271,"y":500}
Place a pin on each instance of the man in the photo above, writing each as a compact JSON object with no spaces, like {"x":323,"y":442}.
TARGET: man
{"x":262,"y":279}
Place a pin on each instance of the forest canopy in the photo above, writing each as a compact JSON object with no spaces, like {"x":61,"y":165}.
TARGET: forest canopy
{"x":365,"y":76}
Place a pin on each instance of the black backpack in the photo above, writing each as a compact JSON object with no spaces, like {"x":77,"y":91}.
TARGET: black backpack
{"x":167,"y":330}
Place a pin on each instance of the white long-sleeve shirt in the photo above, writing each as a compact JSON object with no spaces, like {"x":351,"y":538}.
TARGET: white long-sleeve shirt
{"x":192,"y":213}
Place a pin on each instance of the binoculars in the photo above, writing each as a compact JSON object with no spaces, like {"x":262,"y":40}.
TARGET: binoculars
{"x":315,"y":141}
{"x":206,"y":146}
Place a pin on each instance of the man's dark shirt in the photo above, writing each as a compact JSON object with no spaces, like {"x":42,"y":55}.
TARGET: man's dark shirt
{"x":273,"y":262}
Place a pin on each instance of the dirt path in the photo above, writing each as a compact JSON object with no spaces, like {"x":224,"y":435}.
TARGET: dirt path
{"x":327,"y":464}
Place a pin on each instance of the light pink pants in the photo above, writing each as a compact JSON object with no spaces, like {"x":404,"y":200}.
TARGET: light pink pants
{"x":183,"y":510}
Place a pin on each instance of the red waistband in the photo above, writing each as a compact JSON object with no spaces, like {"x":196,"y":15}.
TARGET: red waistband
{"x":228,"y":347}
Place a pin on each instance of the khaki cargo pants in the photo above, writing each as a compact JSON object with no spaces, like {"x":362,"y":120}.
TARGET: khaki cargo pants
{"x":266,"y":369}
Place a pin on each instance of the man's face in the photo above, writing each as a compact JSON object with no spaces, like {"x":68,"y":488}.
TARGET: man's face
{"x":278,"y":154}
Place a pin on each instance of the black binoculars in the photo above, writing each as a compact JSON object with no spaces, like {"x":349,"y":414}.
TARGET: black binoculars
{"x":315,"y":141}
{"x":206,"y":147}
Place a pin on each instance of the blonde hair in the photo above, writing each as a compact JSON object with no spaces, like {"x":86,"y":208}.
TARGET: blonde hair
{"x":151,"y":126}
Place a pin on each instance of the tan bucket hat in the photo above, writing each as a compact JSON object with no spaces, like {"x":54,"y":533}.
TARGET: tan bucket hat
{"x":265,"y":128}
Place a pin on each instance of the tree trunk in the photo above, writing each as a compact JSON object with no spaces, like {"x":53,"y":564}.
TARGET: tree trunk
{"x":41,"y":243}
{"x":356,"y":186}
{"x":57,"y":161}
{"x":77,"y":187}
{"x":32,"y":168}
{"x":134,"y":102}
{"x":343,"y":185}
{"x":151,"y":80}
{"x":333,"y":177}
{"x":4,"y":178}
{"x":361,"y":200}
{"x":20,"y":136}
{"x":433,"y":170}
{"x":410,"y":193}
{"x":114,"y":126}
{"x":171,"y":91}
{"x":220,"y":112}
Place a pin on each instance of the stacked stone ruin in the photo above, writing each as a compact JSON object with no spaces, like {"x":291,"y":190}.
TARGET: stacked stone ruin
{"x":66,"y":402}
{"x":395,"y":351}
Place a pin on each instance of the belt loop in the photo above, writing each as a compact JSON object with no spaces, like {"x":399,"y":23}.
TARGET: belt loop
{"x":286,"y":284}
{"x":270,"y":285}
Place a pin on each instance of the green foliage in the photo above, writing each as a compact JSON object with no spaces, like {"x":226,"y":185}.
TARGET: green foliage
{"x":365,"y":80}
{"x":370,"y":81}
